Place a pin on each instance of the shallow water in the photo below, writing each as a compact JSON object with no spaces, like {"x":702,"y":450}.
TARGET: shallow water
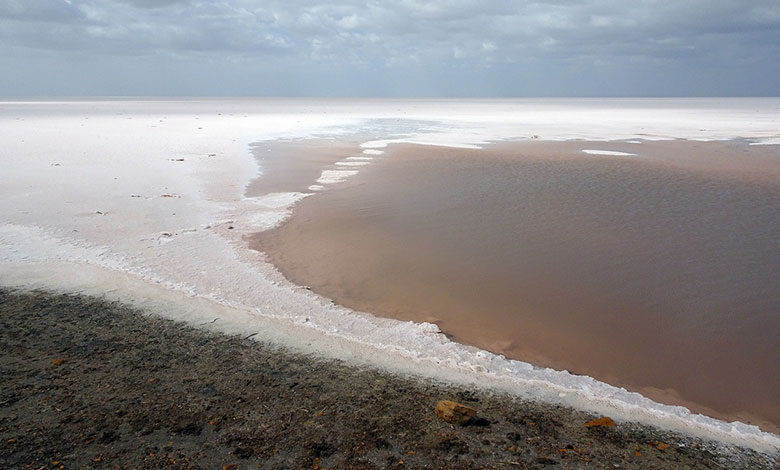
{"x":657,"y":272}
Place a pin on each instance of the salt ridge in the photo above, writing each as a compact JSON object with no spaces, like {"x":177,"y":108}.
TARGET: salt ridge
{"x":86,"y":232}
{"x":609,"y":153}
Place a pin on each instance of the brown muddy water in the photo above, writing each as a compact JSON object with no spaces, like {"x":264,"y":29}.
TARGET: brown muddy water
{"x":656,"y":272}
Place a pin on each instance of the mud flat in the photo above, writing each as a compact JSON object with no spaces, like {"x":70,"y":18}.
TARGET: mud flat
{"x":89,"y":383}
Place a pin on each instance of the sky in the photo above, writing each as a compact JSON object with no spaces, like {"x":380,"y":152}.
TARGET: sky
{"x":398,"y":48}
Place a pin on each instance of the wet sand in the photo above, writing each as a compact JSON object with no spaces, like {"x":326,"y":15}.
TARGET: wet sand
{"x":94,"y":384}
{"x":657,"y":272}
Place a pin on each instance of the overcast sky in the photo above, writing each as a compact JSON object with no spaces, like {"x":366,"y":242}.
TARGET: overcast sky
{"x":390,"y":48}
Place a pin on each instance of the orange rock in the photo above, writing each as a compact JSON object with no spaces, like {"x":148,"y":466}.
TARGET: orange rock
{"x":454,"y":412}
{"x":604,"y":422}
{"x":58,"y":362}
{"x":659,"y":445}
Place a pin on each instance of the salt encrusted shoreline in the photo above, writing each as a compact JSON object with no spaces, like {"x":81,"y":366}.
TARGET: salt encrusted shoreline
{"x":87,"y":204}
{"x":90,"y":383}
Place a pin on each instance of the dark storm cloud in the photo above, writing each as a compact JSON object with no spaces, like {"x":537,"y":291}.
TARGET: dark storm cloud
{"x":571,"y":43}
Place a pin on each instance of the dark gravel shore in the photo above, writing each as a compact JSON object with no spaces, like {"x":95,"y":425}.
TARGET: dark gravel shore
{"x":88,"y":383}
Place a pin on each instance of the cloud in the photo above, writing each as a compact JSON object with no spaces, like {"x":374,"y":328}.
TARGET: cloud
{"x":36,"y":10}
{"x":153,"y":3}
{"x":317,"y":36}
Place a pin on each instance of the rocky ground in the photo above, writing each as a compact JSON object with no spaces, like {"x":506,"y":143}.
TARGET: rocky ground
{"x":88,"y":383}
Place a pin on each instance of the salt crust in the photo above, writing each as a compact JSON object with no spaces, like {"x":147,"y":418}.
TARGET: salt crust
{"x":773,"y":141}
{"x":159,"y":221}
{"x":335,"y":176}
{"x":609,"y":153}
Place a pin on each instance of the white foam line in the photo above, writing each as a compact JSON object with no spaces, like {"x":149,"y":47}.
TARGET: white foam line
{"x":338,"y":176}
{"x":609,"y":152}
{"x":266,"y":220}
{"x":271,"y":209}
{"x":335,"y":176}
{"x":277,"y":200}
{"x":371,"y":151}
{"x":434,"y":140}
{"x":633,"y":141}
